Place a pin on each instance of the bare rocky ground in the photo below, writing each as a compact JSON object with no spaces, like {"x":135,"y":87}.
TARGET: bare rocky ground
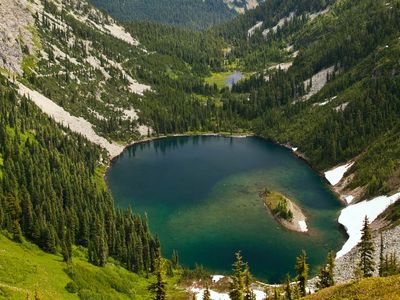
{"x":344,"y":270}
{"x":15,"y":36}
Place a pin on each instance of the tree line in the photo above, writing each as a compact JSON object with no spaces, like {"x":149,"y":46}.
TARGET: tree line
{"x":50,"y":195}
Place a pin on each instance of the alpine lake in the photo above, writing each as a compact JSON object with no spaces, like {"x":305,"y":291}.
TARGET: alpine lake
{"x":202,"y":198}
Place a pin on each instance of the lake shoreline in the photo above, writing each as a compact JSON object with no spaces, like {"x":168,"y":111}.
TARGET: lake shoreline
{"x":298,"y":222}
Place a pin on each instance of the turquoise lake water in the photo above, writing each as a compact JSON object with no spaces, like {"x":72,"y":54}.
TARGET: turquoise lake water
{"x":202,"y":198}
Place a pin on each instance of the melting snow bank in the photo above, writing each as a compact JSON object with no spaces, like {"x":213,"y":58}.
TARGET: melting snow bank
{"x":335,"y":175}
{"x":216,"y":278}
{"x":198,"y":292}
{"x":352,"y":218}
{"x":303,"y":226}
{"x":78,"y":125}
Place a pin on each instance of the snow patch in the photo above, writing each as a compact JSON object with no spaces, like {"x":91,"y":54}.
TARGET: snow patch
{"x":216,"y":278}
{"x":352,"y":218}
{"x":303,"y":226}
{"x":260,"y":295}
{"x":336,"y":174}
{"x":349,"y":199}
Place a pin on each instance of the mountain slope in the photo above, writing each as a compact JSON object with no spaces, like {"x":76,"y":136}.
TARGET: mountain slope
{"x":27,"y":272}
{"x":194,"y":14}
{"x":387,"y":288}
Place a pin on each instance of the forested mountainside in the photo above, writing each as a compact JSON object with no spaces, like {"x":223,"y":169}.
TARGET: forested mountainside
{"x":323,"y":80}
{"x":321,"y":76}
{"x":335,"y":94}
{"x":195,"y":14}
{"x":52,"y":192}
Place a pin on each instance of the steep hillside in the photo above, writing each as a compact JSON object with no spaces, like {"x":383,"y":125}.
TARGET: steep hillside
{"x":335,"y":98}
{"x":26,"y":272}
{"x":195,"y":14}
{"x":373,"y":288}
{"x":321,"y":77}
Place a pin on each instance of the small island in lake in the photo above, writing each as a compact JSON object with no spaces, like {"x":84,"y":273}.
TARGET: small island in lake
{"x":285,"y":211}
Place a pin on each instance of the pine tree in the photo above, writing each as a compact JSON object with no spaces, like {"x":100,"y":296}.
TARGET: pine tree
{"x":302,"y":272}
{"x":326,"y":277}
{"x":207,"y":294}
{"x":159,"y":288}
{"x":381,"y":258}
{"x":175,"y":259}
{"x":288,"y":288}
{"x":366,"y":251}
{"x":237,"y":284}
{"x":248,"y":292}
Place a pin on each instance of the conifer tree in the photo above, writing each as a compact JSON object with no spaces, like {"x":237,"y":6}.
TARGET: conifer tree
{"x":237,"y":284}
{"x":288,"y":288}
{"x":381,"y":258}
{"x":326,"y":278}
{"x":366,"y":249}
{"x":175,"y":259}
{"x":248,"y":292}
{"x":302,"y":272}
{"x":159,"y":287}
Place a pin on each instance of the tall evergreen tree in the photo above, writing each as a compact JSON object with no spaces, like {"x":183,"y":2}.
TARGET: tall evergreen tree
{"x":288,"y":288}
{"x":159,"y":287}
{"x":237,"y":284}
{"x":366,"y":249}
{"x":381,"y":258}
{"x":248,"y":292}
{"x":302,"y":272}
{"x":175,"y":259}
{"x":326,"y":277}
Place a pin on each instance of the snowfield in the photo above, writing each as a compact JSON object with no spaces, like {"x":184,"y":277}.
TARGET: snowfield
{"x":352,"y":218}
{"x":335,"y":175}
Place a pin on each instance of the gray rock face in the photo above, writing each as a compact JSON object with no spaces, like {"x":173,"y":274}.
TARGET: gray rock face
{"x":15,"y":36}
{"x":344,"y":269}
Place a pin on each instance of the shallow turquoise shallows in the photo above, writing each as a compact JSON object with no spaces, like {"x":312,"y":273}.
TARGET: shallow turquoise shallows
{"x":202,"y":198}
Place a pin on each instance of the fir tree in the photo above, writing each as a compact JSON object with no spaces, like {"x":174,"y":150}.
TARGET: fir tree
{"x":288,"y":288}
{"x":237,"y":284}
{"x":366,"y":251}
{"x":248,"y":292}
{"x":302,"y":272}
{"x":326,"y":278}
{"x":159,"y":288}
{"x":381,"y":258}
{"x":175,"y":259}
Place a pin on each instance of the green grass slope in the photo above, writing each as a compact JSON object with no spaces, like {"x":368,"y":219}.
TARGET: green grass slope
{"x":27,"y":272}
{"x":386,"y":288}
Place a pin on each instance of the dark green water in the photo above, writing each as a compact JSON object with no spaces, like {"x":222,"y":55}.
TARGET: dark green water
{"x":202,"y":198}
